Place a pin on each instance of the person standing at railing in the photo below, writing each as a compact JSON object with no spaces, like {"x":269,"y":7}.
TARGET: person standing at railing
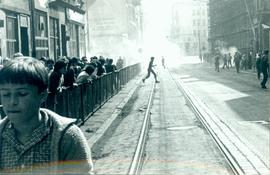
{"x":150,"y":70}
{"x":100,"y":67}
{"x":110,"y":67}
{"x":35,"y":140}
{"x":56,"y":77}
{"x":72,"y":72}
{"x":86,"y":75}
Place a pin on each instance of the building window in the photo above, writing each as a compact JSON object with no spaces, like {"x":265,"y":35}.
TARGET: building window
{"x":82,"y":41}
{"x":41,"y":34}
{"x":73,"y":40}
{"x":12,"y":35}
{"x":54,"y":38}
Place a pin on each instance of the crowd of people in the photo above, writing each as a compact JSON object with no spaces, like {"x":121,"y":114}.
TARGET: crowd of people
{"x":71,"y":72}
{"x":68,"y":72}
{"x":258,"y":62}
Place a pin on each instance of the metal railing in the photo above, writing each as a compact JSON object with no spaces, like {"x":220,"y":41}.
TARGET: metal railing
{"x":81,"y":101}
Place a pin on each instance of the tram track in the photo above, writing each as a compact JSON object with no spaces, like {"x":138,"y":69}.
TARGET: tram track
{"x":138,"y":156}
{"x":242,"y":160}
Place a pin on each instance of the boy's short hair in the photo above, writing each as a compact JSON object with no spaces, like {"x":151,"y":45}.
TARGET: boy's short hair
{"x":25,"y":70}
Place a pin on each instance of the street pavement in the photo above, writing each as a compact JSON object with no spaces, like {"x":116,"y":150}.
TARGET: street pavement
{"x":237,"y":98}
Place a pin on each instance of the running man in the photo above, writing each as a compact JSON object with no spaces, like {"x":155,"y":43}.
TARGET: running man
{"x":149,"y":70}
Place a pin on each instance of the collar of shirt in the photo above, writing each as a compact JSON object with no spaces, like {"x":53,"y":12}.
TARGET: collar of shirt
{"x":37,"y":135}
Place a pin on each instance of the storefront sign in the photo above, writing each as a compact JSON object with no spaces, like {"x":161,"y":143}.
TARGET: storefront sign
{"x":75,"y":16}
{"x":24,"y":22}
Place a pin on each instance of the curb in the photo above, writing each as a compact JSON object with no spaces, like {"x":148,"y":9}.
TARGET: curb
{"x":103,"y":129}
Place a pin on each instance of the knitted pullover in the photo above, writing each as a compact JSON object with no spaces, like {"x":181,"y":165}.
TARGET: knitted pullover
{"x":70,"y":153}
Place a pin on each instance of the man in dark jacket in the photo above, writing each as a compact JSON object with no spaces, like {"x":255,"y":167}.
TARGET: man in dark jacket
{"x":237,"y":60}
{"x":264,"y":68}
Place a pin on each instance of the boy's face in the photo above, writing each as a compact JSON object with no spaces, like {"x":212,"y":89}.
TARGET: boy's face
{"x":20,"y":102}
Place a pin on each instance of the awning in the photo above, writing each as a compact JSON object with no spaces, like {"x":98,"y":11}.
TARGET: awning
{"x":65,"y":4}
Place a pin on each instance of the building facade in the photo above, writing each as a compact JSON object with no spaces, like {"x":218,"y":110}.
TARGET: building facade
{"x":114,"y":25}
{"x":242,"y":24}
{"x":15,"y":27}
{"x":37,"y":28}
{"x":189,"y":28}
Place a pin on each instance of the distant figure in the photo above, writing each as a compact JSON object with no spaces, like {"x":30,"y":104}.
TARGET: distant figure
{"x":249,"y":60}
{"x":34,"y":140}
{"x":163,"y":62}
{"x":244,"y":62}
{"x":150,"y":70}
{"x":217,"y":58}
{"x":119,"y":63}
{"x":258,"y":65}
{"x":229,"y":60}
{"x":265,"y":68}
{"x":237,"y":60}
{"x":225,"y":62}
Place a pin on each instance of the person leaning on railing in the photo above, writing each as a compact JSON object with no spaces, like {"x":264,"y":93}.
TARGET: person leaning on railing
{"x":35,"y":140}
{"x":86,"y":74}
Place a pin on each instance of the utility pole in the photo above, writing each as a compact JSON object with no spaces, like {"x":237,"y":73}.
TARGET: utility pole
{"x":199,"y":44}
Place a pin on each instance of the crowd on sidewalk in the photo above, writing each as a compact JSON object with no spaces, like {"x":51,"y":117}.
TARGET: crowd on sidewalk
{"x":68,"y":72}
{"x":258,"y":63}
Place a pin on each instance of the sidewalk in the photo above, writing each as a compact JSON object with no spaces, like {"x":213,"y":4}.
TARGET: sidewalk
{"x":96,"y":126}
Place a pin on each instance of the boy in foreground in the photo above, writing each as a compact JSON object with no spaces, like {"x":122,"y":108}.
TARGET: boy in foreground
{"x":32,"y":139}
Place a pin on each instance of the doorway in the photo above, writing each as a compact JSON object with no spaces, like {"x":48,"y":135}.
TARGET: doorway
{"x":24,"y":41}
{"x":64,"y":40}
